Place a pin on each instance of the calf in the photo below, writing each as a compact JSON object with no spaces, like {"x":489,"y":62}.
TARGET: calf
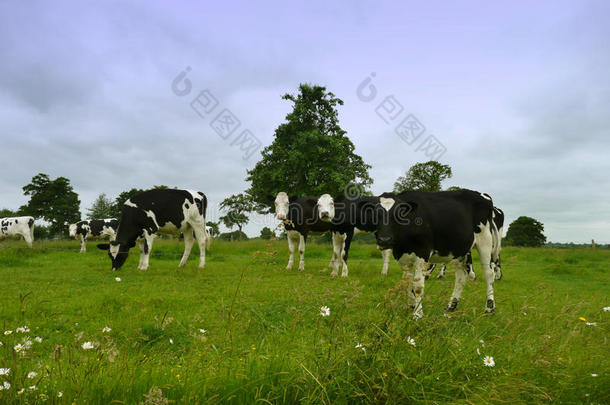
{"x":299,"y":215}
{"x":348,"y":215}
{"x":23,"y":226}
{"x":424,"y":227}
{"x":95,"y":228}
{"x":159,"y":211}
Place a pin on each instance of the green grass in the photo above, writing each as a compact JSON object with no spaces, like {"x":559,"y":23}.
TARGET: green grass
{"x":265,"y":341}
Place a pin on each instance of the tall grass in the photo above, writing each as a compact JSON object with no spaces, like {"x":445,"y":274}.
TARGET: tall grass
{"x":265,"y":340}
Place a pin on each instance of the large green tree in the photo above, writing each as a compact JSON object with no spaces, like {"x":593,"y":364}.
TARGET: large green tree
{"x":525,"y":231}
{"x":310,"y":154}
{"x":5,"y":212}
{"x":426,"y":176}
{"x":52,"y":200}
{"x":102,"y":208}
{"x":117,"y":207}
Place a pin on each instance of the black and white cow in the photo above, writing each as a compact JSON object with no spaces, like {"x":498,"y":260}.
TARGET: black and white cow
{"x":159,"y":211}
{"x":424,"y":227}
{"x":347,"y":216}
{"x":300,"y":218}
{"x":208,"y":236}
{"x":14,"y":226}
{"x":495,"y":259}
{"x":93,"y":228}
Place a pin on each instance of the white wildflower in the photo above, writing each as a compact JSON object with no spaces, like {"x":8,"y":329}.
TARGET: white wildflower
{"x":27,"y":343}
{"x":88,"y":345}
{"x":478,"y":351}
{"x":8,"y":332}
{"x":32,"y":387}
{"x":38,"y":339}
{"x":324,"y":311}
{"x":32,"y":374}
{"x":361,"y":347}
{"x":591,"y":323}
{"x":117,"y":279}
{"x":106,"y":329}
{"x":594,"y":375}
{"x":60,"y":394}
{"x":489,"y":361}
{"x":1,"y":344}
{"x":171,"y":341}
{"x":5,"y":371}
{"x":22,"y":329}
{"x":202,"y":331}
{"x":5,"y":386}
{"x":19,"y":347}
{"x":606,"y":309}
{"x":21,"y":391}
{"x":411,"y":341}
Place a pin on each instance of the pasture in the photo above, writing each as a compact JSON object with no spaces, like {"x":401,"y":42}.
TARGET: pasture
{"x":245,"y":330}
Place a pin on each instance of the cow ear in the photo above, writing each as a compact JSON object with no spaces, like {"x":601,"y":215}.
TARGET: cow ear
{"x":103,"y":246}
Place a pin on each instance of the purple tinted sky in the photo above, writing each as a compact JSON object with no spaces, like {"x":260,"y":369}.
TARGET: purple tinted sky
{"x":518,"y":93}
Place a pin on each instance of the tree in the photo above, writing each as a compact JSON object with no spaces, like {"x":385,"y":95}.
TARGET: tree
{"x":117,"y":207}
{"x":525,"y":231}
{"x":237,"y":206}
{"x":214,"y":225}
{"x":266,"y":233}
{"x":423,"y":177}
{"x":102,"y":208}
{"x":53,"y":200}
{"x":5,"y":212}
{"x":454,"y":188}
{"x":310,"y":153}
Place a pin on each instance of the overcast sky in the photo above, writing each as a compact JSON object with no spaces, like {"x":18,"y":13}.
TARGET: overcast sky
{"x":517,"y":94}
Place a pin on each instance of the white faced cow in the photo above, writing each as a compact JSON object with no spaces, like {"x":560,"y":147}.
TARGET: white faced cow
{"x":424,"y":227}
{"x":208,"y":236}
{"x":159,"y":211}
{"x":93,"y":228}
{"x":23,"y":226}
{"x":347,"y":216}
{"x":300,"y":218}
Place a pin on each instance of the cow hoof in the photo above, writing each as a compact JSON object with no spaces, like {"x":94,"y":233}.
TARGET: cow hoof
{"x":452,"y":305}
{"x":472,"y":276}
{"x":498,"y":275}
{"x":426,"y":277}
{"x":490,"y":308}
{"x":418,"y":316}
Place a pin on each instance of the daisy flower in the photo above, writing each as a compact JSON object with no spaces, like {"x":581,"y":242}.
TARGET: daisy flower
{"x":202,"y":331}
{"x":22,"y":329}
{"x":38,"y":339}
{"x":606,"y":309}
{"x":32,"y":387}
{"x":106,"y":329}
{"x":594,"y":375}
{"x":171,"y":341}
{"x":60,"y":394}
{"x":19,"y":347}
{"x":411,"y":341}
{"x":5,"y":371}
{"x":8,"y":332}
{"x":88,"y":345}
{"x":5,"y":386}
{"x":117,"y":279}
{"x":361,"y":347}
{"x":591,"y":323}
{"x":21,"y":391}
{"x":27,"y":343}
{"x":324,"y":311}
{"x":1,"y":344}
{"x":32,"y":374}
{"x":489,"y":361}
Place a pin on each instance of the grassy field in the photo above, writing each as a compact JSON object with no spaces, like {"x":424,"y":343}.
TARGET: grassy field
{"x":265,"y":341}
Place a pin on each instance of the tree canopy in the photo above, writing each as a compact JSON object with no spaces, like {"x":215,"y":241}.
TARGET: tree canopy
{"x":310,"y":154}
{"x":525,"y":231}
{"x":237,"y":206}
{"x":426,"y":176}
{"x":102,"y":208}
{"x":52,"y":200}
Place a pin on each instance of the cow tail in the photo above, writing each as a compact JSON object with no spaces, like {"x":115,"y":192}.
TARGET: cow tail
{"x":495,"y":236}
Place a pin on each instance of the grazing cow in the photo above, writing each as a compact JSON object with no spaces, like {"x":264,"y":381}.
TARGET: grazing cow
{"x":299,"y":215}
{"x":23,"y":226}
{"x":159,"y":211}
{"x":95,"y":228}
{"x":348,"y":215}
{"x":424,"y":227}
{"x":208,"y":237}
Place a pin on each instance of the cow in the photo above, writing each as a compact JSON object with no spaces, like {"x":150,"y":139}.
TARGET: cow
{"x":93,"y":228}
{"x":498,"y":219}
{"x":427,"y":227}
{"x":153,"y":212}
{"x":14,"y":226}
{"x":208,"y":237}
{"x":347,"y":216}
{"x":299,"y":215}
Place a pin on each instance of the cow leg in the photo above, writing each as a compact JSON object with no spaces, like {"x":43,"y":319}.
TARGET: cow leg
{"x":469,"y":268}
{"x":429,"y":271}
{"x":498,"y":269}
{"x":148,"y":242}
{"x":141,"y":243}
{"x":484,"y":242}
{"x":301,"y":252}
{"x":441,"y":272}
{"x":418,"y":287}
{"x":385,"y":254}
{"x":28,"y":239}
{"x":345,"y":252}
{"x":460,"y":280}
{"x":338,"y":246}
{"x":189,"y":240}
{"x":200,"y":236}
{"x":83,"y":244}
{"x":293,"y":237}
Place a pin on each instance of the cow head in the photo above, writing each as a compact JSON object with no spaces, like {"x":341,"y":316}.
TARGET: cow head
{"x":282,"y":201}
{"x":394,"y":216}
{"x":326,"y":208}
{"x":72,"y":230}
{"x":117,"y":252}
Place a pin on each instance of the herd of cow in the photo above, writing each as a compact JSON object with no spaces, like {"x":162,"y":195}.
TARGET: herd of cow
{"x":420,"y":229}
